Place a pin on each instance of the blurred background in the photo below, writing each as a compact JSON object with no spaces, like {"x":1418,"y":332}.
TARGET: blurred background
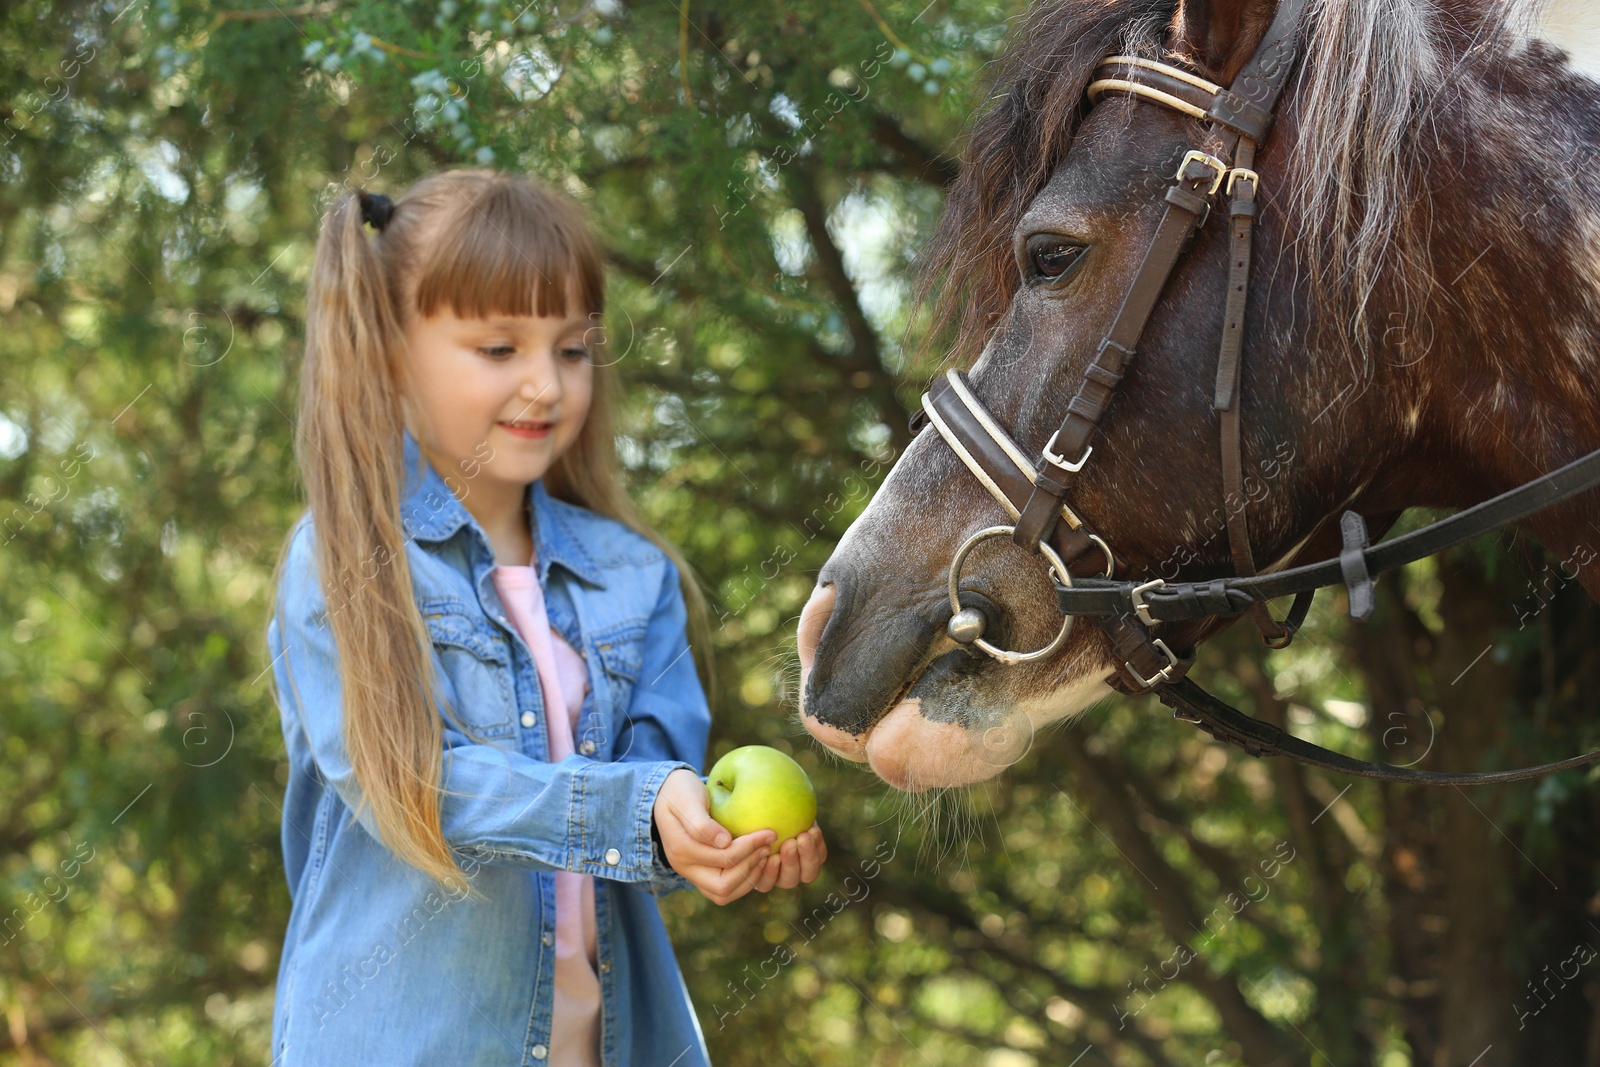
{"x":762,"y":176}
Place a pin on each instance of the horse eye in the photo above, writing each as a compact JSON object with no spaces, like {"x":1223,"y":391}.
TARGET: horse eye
{"x":1052,"y":258}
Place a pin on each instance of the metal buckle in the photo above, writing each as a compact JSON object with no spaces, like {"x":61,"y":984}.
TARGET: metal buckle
{"x":1136,"y":594}
{"x":1194,"y":155}
{"x":1164,"y":674}
{"x":1242,"y":172}
{"x":1280,"y":642}
{"x":1057,"y":459}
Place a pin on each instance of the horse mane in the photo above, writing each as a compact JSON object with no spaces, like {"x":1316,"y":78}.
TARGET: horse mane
{"x":1372,"y":79}
{"x":1376,"y":79}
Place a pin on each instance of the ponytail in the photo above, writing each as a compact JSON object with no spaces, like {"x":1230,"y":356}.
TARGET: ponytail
{"x":349,"y":427}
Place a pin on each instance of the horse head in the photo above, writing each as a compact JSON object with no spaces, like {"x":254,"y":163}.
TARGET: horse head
{"x":1420,"y":309}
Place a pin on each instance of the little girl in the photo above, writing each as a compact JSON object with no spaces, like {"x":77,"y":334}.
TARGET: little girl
{"x":494,"y":727}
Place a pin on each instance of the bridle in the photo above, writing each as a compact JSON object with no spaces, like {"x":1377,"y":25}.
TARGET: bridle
{"x":1034,"y":494}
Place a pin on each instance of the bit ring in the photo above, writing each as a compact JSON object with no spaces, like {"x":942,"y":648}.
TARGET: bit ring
{"x":1006,"y":656}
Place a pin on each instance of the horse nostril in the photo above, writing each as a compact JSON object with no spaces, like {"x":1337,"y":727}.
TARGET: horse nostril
{"x":813,"y":620}
{"x":966,"y":626}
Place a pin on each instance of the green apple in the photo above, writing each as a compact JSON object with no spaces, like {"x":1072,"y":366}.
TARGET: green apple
{"x":759,"y":788}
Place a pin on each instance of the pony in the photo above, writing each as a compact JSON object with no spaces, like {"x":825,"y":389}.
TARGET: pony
{"x":1421,"y":332}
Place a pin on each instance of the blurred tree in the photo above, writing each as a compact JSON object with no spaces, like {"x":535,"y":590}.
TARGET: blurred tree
{"x":762,"y":176}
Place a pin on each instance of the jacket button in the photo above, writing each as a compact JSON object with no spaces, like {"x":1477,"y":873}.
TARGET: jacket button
{"x":613,"y":857}
{"x":547,"y":939}
{"x":587,"y":748}
{"x":529,"y":718}
{"x":539,"y":1052}
{"x":605,"y":966}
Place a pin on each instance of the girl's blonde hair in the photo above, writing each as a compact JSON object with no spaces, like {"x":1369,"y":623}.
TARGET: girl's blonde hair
{"x":485,"y":243}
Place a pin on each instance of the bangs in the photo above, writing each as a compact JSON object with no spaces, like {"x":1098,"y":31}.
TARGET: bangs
{"x":509,"y":248}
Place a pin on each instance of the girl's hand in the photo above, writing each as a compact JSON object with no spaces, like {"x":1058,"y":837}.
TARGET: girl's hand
{"x":799,"y":860}
{"x":698,"y":847}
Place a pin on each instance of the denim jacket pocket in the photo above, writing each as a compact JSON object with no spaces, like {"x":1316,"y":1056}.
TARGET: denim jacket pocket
{"x":621,"y":652}
{"x":478,"y":663}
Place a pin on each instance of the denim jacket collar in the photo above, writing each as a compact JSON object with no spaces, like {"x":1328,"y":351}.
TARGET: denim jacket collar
{"x":431,"y":511}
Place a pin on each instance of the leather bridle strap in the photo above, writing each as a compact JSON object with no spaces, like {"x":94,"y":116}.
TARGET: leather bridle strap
{"x":1002,"y":467}
{"x":1242,"y":183}
{"x":1226,"y":723}
{"x":1355,"y":567}
{"x":1068,"y":449}
{"x":1144,"y":660}
{"x":1177,"y":89}
{"x":1242,"y":114}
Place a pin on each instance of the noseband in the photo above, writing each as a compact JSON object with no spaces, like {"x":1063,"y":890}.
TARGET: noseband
{"x":1034,"y":494}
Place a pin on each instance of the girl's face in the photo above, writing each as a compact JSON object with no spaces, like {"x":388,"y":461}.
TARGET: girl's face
{"x":497,"y":400}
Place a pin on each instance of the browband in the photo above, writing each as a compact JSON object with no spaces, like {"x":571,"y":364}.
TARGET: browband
{"x":1184,"y":92}
{"x":1175,"y":88}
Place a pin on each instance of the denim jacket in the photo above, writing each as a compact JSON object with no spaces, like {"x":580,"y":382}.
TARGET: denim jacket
{"x":380,"y":966}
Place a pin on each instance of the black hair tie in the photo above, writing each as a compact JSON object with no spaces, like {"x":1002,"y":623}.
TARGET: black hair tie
{"x":376,"y":209}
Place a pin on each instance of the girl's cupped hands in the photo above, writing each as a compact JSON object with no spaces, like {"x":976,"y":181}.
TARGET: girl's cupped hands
{"x":723,"y":867}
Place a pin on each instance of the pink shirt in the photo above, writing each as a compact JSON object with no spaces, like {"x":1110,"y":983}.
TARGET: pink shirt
{"x":563,"y":679}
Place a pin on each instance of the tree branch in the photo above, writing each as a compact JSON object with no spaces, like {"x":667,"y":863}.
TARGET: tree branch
{"x":865,"y":358}
{"x":920,"y":161}
{"x":1098,"y":1002}
{"x":1222,"y":864}
{"x":1263,"y":1043}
